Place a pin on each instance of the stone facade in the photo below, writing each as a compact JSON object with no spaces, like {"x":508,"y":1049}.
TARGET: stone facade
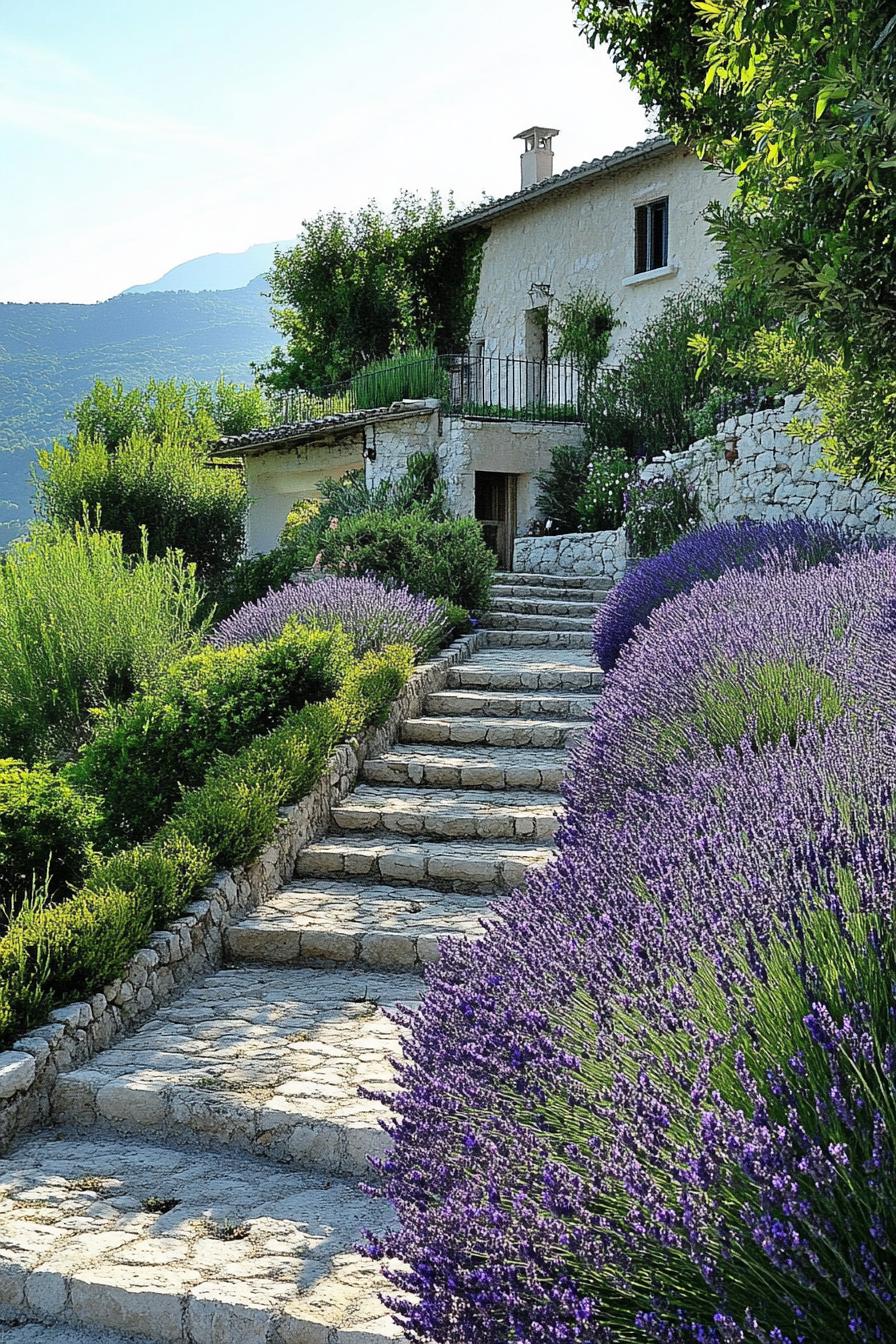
{"x":463,"y":446}
{"x":582,"y":237}
{"x":192,"y":945}
{"x":604,"y":553}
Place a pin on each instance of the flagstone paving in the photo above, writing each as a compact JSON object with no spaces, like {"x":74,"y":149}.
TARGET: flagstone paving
{"x":202,"y":1182}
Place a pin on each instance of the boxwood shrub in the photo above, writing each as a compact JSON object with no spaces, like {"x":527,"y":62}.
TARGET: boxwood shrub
{"x":46,"y":830}
{"x":52,"y":954}
{"x":163,"y":739}
{"x":446,"y":559}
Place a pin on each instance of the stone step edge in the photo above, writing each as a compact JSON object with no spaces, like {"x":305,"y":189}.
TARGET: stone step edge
{"x":537,"y":577}
{"x":192,"y":945}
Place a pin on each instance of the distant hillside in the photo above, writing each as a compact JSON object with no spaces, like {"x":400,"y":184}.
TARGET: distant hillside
{"x":51,"y":353}
{"x":218,"y":270}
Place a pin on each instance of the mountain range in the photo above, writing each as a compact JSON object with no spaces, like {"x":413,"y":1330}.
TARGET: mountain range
{"x":51,"y":354}
{"x":217,"y":270}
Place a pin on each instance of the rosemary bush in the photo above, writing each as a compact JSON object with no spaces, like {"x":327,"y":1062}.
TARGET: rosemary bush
{"x":82,"y":625}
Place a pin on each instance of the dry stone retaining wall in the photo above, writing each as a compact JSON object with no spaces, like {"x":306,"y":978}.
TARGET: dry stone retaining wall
{"x":774,"y":476}
{"x":604,"y":553}
{"x":192,"y":945}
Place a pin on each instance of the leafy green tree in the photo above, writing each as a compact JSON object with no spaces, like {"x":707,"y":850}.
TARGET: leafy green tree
{"x":360,"y":287}
{"x":798,"y":99}
{"x":167,"y":410}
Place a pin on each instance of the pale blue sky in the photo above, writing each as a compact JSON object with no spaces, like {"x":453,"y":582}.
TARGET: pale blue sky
{"x":136,"y":135}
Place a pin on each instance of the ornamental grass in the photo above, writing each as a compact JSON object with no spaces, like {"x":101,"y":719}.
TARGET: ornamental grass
{"x":655,"y":1101}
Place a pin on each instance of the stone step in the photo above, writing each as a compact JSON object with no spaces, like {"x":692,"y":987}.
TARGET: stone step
{"x":504,"y":704}
{"x":247,"y":1252}
{"x":480,"y":730}
{"x":336,"y":923}
{"x":538,"y":606}
{"x":264,"y":1059}
{"x":508,"y":670}
{"x":509,"y":620}
{"x":453,"y":865}
{"x":547,"y":592}
{"x":449,"y":814}
{"x":535,"y":639}
{"x":599,"y":581}
{"x":411,"y":766}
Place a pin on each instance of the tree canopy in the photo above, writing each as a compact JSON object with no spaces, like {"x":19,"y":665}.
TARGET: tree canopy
{"x":358,"y":287}
{"x":795,"y":97}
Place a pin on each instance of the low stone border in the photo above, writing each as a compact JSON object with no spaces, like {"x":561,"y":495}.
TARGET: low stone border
{"x":602,"y":553}
{"x":193,"y":944}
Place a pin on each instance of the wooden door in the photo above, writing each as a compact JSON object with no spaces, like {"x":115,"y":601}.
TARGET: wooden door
{"x":496,"y":511}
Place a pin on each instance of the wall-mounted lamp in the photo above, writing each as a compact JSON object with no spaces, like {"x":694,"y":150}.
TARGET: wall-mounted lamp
{"x":731,"y":453}
{"x":540,"y":293}
{"x":368,"y":453}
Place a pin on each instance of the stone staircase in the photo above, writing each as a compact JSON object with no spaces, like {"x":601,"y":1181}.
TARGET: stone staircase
{"x":201,"y":1185}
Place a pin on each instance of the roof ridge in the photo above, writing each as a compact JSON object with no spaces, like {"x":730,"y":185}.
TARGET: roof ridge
{"x":567,"y":177}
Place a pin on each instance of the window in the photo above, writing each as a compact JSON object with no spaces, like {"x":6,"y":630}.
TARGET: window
{"x":651,"y":236}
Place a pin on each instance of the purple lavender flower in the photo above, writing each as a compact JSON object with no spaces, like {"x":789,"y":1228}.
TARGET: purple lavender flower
{"x":654,"y":1100}
{"x":707,"y":554}
{"x":372,"y":613}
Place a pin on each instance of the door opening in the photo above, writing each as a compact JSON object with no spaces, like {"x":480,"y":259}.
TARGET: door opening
{"x":496,"y":511}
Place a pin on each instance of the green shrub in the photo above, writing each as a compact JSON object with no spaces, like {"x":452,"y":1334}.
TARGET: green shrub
{"x":81,"y":625}
{"x":45,"y":834}
{"x":161,"y":490}
{"x":436,"y":559}
{"x":659,"y":512}
{"x":232,"y":815}
{"x":646,"y":404}
{"x":416,"y":373}
{"x":214,"y":701}
{"x":166,"y":409}
{"x":56,"y":953}
{"x":561,"y":487}
{"x":601,"y":505}
{"x":371,"y":685}
{"x":164,"y":875}
{"x":51,"y":954}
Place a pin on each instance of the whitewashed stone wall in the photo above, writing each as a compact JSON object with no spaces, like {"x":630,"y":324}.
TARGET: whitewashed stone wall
{"x":775,"y":476}
{"x":583,"y":238}
{"x":193,"y":945}
{"x":464,"y":446}
{"x":604,"y":553}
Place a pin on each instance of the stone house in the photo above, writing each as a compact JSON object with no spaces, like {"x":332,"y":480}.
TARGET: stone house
{"x":630,"y":225}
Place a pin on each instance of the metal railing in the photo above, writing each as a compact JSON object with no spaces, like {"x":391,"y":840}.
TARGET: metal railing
{"x":479,"y":387}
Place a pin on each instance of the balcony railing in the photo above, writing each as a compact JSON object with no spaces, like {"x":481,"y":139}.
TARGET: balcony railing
{"x":480,"y":387}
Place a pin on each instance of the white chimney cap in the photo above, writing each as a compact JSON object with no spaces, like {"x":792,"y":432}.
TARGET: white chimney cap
{"x":537,"y":137}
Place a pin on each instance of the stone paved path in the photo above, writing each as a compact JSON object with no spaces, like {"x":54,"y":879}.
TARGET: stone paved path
{"x":201,"y":1184}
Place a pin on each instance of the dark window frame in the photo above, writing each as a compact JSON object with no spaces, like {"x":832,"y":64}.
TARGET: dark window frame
{"x":651,"y":235}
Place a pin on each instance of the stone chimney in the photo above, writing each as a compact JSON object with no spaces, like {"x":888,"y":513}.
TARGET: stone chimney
{"x":537,"y":158}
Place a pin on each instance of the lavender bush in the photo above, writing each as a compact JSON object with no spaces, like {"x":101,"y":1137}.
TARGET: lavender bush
{"x":372,"y":614}
{"x":655,"y":1101}
{"x":756,"y":655}
{"x":708,"y":553}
